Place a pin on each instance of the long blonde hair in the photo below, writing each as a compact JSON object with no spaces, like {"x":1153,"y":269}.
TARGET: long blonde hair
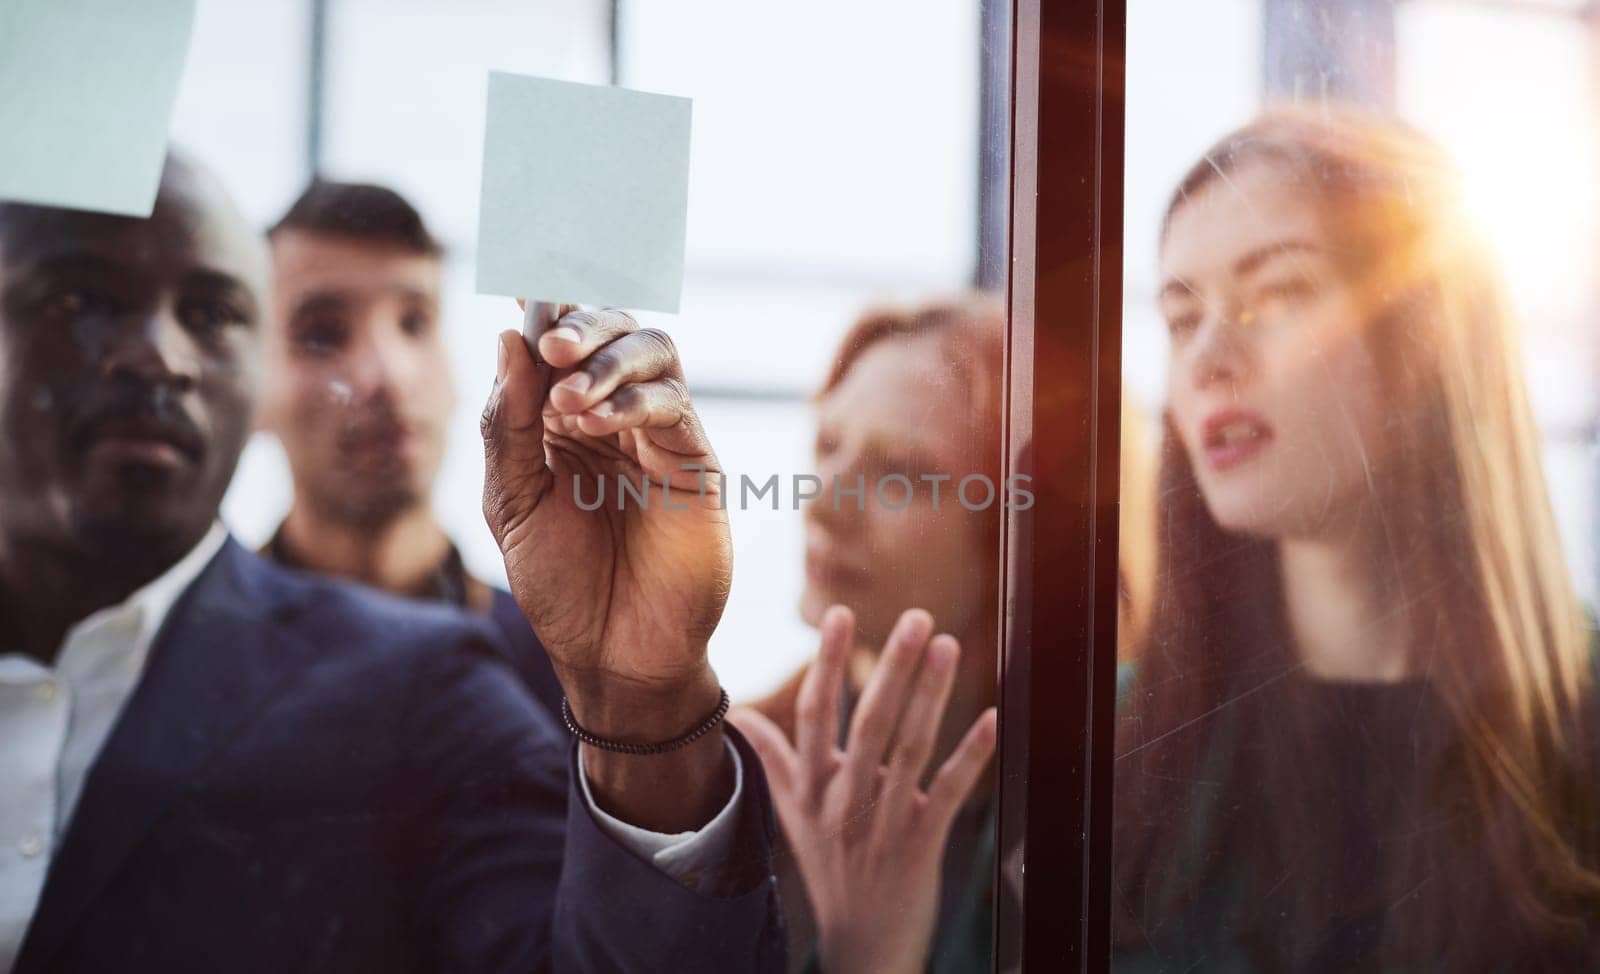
{"x":1136,"y":535}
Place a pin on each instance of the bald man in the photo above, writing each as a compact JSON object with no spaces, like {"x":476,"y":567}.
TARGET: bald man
{"x":208,"y":762}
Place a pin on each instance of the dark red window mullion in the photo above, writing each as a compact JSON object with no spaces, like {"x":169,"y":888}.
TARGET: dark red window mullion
{"x":1058,"y":660}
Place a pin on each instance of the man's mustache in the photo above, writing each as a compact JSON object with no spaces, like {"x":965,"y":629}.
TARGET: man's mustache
{"x":145,"y":412}
{"x":372,"y":424}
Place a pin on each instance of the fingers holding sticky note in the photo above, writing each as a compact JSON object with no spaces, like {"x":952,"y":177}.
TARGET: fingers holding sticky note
{"x":539,"y":317}
{"x":585,"y":194}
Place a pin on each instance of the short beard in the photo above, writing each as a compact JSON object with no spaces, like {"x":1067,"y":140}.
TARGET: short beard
{"x":372,"y":509}
{"x":134,"y":547}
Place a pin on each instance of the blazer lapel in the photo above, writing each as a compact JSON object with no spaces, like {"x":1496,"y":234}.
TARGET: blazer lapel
{"x":217,"y":659}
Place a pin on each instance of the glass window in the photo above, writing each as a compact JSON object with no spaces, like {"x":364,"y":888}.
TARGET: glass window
{"x":877,"y":142}
{"x":1356,"y":721}
{"x":314,"y":378}
{"x":828,"y":328}
{"x":242,"y":102}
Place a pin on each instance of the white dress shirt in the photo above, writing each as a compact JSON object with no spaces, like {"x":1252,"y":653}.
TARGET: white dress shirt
{"x":54,"y":721}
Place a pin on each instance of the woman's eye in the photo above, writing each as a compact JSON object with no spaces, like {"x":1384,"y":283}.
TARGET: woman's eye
{"x":876,"y":464}
{"x":1281,"y":293}
{"x":1182,"y":325}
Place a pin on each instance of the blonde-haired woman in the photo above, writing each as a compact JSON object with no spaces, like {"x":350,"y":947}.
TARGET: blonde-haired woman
{"x":1359,"y":735}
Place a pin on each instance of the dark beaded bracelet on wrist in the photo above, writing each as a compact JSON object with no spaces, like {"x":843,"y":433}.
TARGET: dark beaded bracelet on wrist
{"x":705,"y":727}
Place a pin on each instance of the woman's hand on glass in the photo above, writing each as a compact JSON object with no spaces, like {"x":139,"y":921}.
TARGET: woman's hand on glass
{"x":868,"y":838}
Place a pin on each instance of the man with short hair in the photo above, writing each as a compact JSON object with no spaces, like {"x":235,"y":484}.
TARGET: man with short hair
{"x":359,"y":391}
{"x":208,"y":762}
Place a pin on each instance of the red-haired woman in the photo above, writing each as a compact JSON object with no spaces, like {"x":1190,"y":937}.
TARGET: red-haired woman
{"x":887,"y":867}
{"x":897,"y":877}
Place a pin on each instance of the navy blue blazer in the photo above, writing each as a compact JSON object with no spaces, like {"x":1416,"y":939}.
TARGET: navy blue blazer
{"x":312,"y":776}
{"x":524,"y":650}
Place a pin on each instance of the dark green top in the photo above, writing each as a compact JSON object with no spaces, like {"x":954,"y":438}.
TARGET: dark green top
{"x":1376,"y":762}
{"x":1387,"y":738}
{"x":1384,"y":743}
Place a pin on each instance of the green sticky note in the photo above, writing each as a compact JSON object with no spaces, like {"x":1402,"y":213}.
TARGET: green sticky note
{"x":86,"y":92}
{"x":585,"y":194}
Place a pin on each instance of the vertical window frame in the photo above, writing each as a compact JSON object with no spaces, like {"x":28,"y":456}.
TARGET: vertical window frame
{"x":1058,"y":631}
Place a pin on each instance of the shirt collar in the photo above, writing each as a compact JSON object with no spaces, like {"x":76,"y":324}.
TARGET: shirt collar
{"x":448,"y":583}
{"x":147,"y":607}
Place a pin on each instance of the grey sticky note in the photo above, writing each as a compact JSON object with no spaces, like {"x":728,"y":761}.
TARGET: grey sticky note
{"x":86,"y":92}
{"x":585,"y":194}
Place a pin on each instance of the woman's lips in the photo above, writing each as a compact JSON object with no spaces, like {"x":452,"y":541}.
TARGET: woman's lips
{"x":1234,"y":437}
{"x":827,"y":570}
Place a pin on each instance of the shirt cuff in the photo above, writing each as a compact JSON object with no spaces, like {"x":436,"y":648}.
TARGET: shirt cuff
{"x":688,"y":857}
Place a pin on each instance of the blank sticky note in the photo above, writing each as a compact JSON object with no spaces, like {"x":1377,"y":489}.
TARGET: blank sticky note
{"x":86,"y":92}
{"x":585,"y":192}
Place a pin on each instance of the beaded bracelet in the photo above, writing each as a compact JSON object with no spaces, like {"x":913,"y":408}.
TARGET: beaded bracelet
{"x":705,"y":727}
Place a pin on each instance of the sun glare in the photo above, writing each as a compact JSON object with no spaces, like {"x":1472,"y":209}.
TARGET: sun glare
{"x":1509,"y":96}
{"x":1533,"y":193}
